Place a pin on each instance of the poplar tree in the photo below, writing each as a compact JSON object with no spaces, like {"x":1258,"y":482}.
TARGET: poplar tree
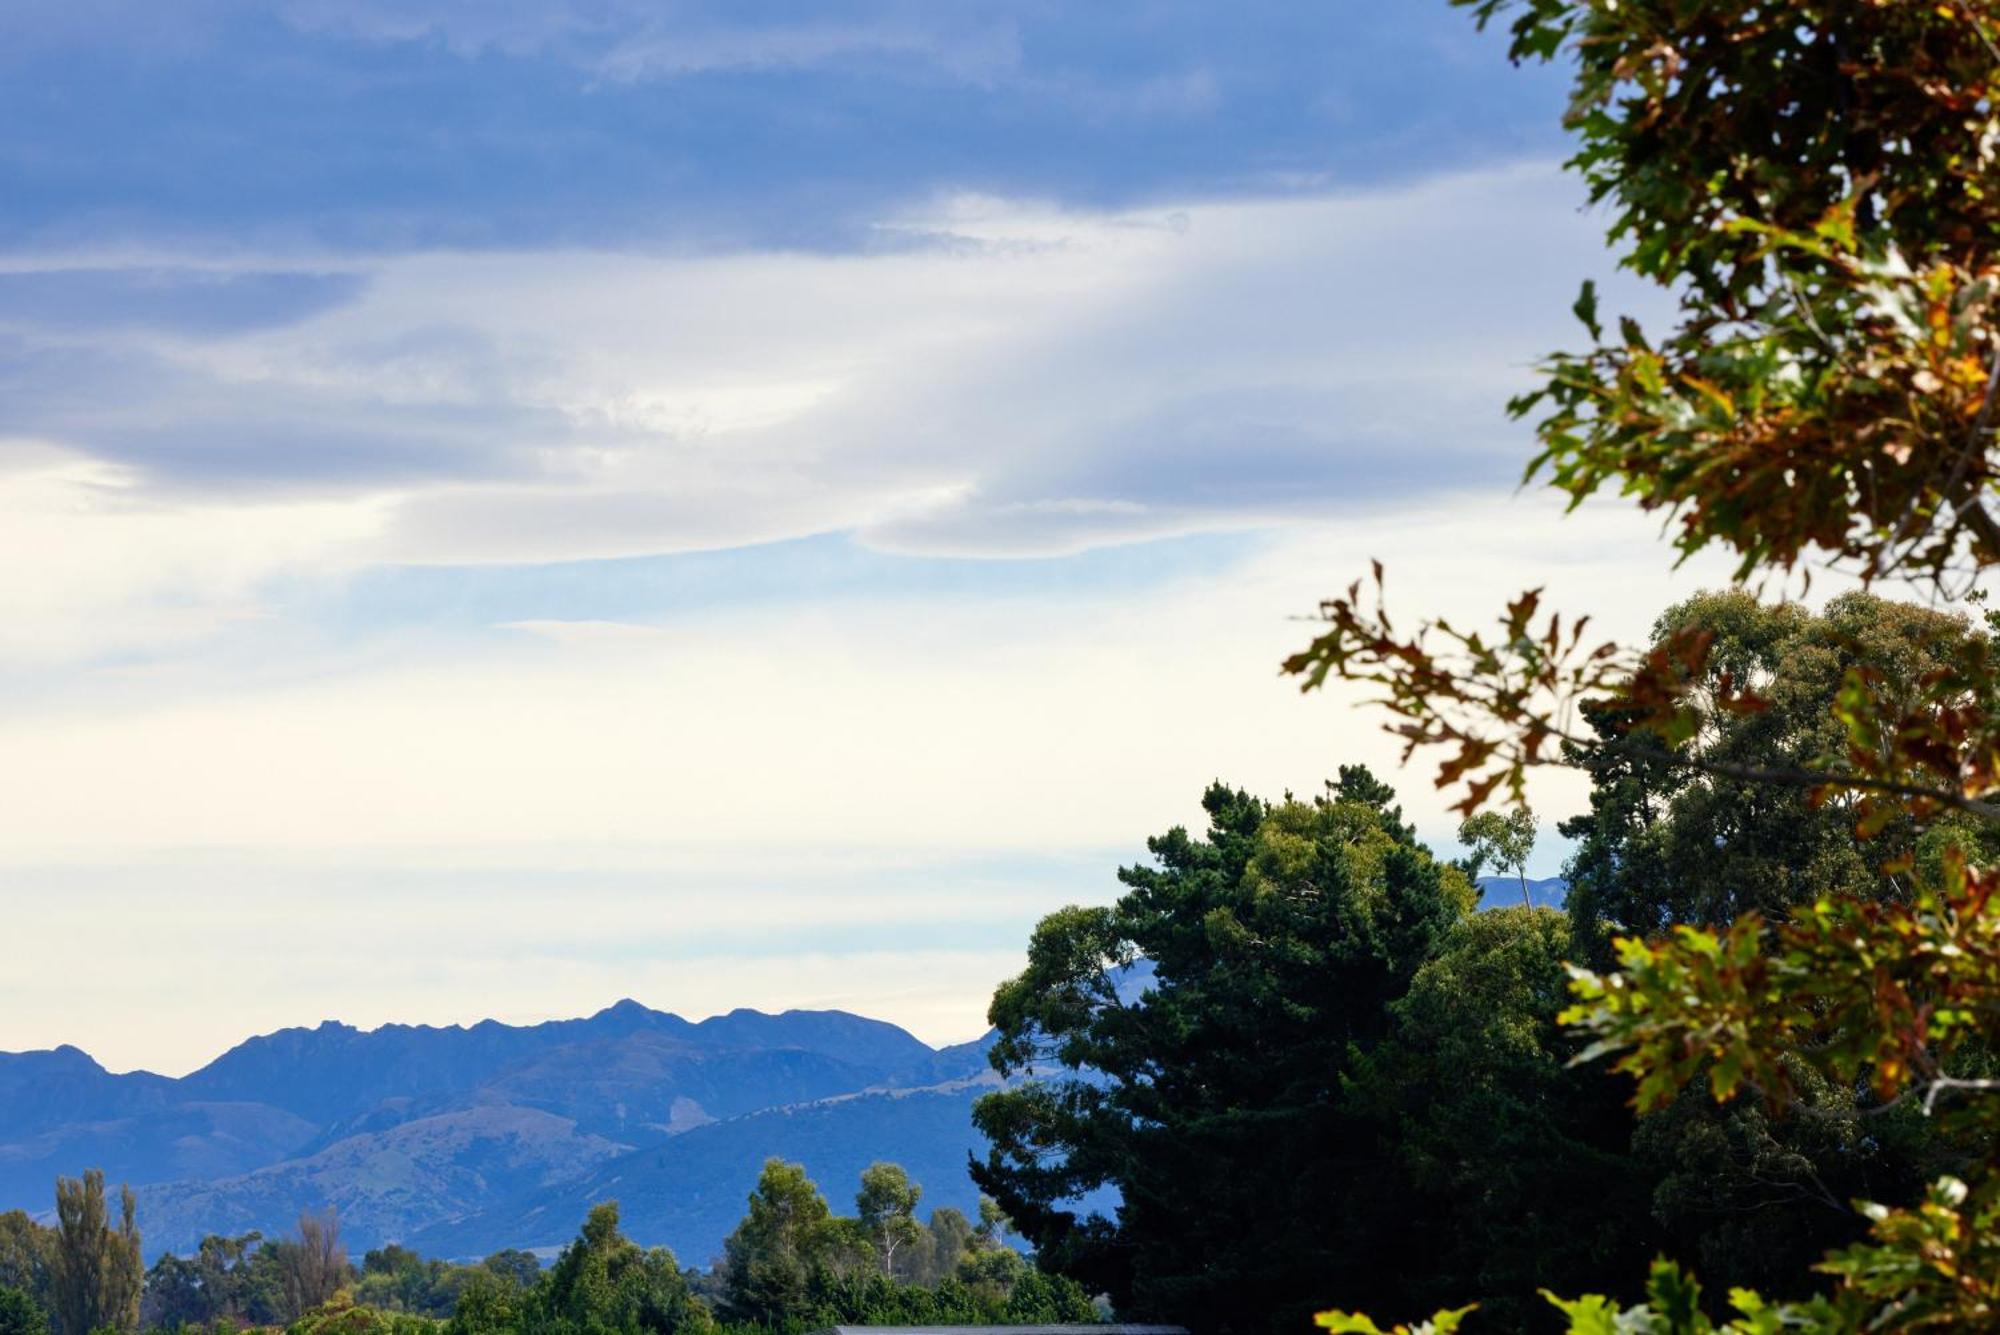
{"x":95,"y":1271}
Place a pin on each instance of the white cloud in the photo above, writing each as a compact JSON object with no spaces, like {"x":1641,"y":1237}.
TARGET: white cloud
{"x":927,"y":722}
{"x":1022,"y":380}
{"x":694,"y":811}
{"x":100,"y":566}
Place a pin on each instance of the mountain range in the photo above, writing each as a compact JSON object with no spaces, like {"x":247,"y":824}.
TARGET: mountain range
{"x":1504,"y":892}
{"x":463,"y":1140}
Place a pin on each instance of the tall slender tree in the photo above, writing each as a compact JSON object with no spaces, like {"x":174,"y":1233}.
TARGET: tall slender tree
{"x":96,"y":1273}
{"x":887,"y":1206}
{"x":1507,"y":840}
{"x":314,"y":1263}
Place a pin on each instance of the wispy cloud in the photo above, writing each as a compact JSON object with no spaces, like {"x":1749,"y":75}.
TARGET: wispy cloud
{"x":770,"y":803}
{"x":1026,"y":381}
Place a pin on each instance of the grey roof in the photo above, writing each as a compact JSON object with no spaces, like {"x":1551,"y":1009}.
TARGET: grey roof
{"x":1107,"y":1328}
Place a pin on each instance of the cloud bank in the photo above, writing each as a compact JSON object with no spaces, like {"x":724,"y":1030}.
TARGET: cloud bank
{"x":1020,"y":381}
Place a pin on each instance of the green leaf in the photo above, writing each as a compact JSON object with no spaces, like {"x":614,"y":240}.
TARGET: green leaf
{"x":1592,"y":1314}
{"x":1347,"y":1323}
{"x":1586,"y":310}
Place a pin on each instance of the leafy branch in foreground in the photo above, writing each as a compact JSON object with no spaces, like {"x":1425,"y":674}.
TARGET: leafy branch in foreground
{"x":1887,"y":993}
{"x":1353,"y":1323}
{"x":1815,"y":184}
{"x":1501,"y":703}
{"x":1929,"y":1268}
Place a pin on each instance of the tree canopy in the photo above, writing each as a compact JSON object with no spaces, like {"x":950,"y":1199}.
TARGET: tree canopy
{"x":95,"y":1271}
{"x":793,"y":1265}
{"x":1299,"y":1059}
{"x":1813,"y":182}
{"x":606,"y":1284}
{"x":20,"y":1314}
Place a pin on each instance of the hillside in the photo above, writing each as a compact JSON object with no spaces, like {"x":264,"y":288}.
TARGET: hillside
{"x":1504,"y":892}
{"x":688,"y":1192}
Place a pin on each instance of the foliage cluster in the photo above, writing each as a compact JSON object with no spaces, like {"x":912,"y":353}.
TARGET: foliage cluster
{"x":1336,"y":1066}
{"x":791,"y":1266}
{"x":1340,"y":1080}
{"x":1815,"y":185}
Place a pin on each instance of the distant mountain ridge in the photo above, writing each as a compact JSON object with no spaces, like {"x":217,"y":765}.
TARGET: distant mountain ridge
{"x":454,"y":1132}
{"x":1504,"y":892}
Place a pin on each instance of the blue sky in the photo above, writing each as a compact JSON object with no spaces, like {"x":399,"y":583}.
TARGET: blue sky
{"x":385,"y":125}
{"x":516,"y":503}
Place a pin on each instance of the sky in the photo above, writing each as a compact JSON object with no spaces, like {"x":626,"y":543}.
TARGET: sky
{"x":512,"y":504}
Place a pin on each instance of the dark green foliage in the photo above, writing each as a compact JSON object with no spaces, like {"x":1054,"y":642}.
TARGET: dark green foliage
{"x":20,"y":1314}
{"x":234,"y":1280}
{"x":1745,"y":1198}
{"x":1269,"y":1112}
{"x":1515,"y":1166}
{"x":1663,"y":844}
{"x":95,"y":1269}
{"x":606,"y":1284}
{"x":826,"y":1272}
{"x":793,"y":1266}
{"x":396,"y":1279}
{"x":27,"y":1251}
{"x":524,"y":1268}
{"x":787,"y":1235}
{"x":946,"y":1241}
{"x":489,"y":1303}
{"x":872,"y":1298}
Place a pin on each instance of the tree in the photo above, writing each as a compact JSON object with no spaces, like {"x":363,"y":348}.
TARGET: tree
{"x":227,"y":1279}
{"x":20,"y":1314}
{"x":312,"y":1265}
{"x":606,"y":1284}
{"x":994,"y":1225}
{"x":396,"y":1279}
{"x":770,"y":1256}
{"x":1507,"y":841}
{"x":887,"y":1205}
{"x":942,"y":1246}
{"x":1510,"y":1167}
{"x":341,"y":1315}
{"x":523,"y":1267}
{"x":27,"y":1251}
{"x":792,"y":1265}
{"x":1667,"y":843}
{"x":1813,"y":182}
{"x":1215,"y":1102}
{"x":95,"y":1268}
{"x":489,"y":1304}
{"x":1749,"y":1198}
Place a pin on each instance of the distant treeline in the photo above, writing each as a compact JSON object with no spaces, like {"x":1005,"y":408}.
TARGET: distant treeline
{"x":791,"y":1265}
